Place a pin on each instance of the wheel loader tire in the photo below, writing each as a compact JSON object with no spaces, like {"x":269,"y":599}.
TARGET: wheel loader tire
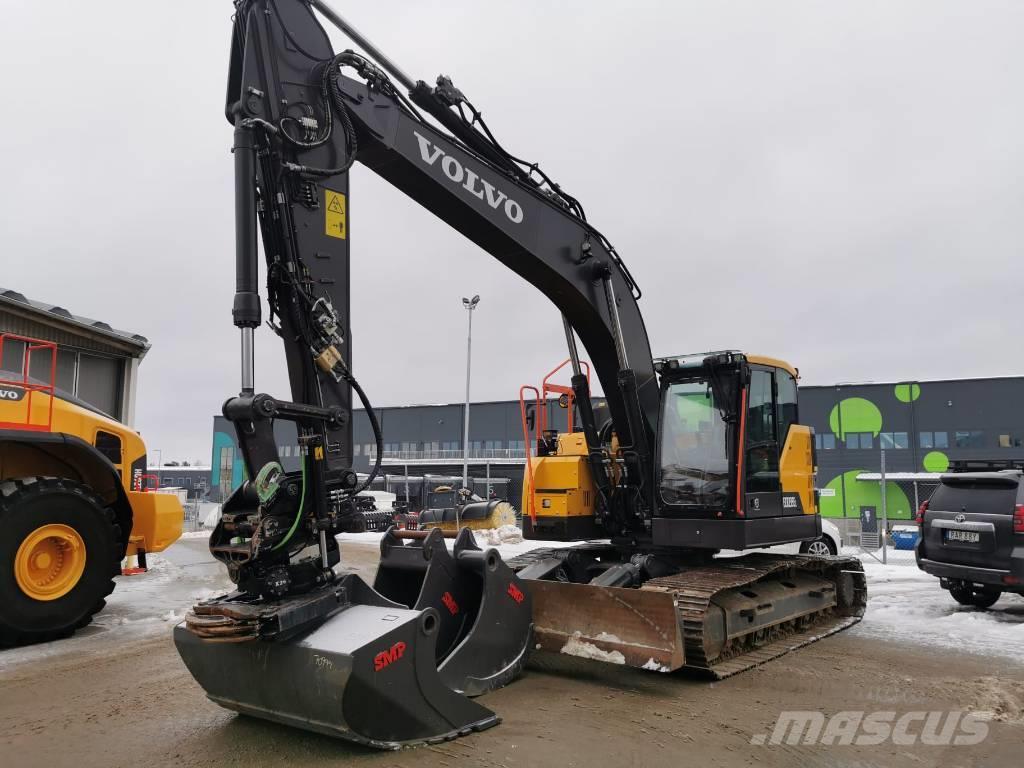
{"x":59,"y":551}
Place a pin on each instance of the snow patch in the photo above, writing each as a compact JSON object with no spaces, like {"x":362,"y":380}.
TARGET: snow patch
{"x":212,"y":517}
{"x":577,"y":646}
{"x":907,"y":605}
{"x":654,"y":666}
{"x":195,"y":535}
{"x":495,"y":537}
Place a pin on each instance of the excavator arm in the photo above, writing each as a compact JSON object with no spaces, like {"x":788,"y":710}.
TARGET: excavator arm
{"x":303,"y":115}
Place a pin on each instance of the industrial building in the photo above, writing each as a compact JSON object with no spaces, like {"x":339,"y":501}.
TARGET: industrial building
{"x":96,"y":364}
{"x":921,"y":426}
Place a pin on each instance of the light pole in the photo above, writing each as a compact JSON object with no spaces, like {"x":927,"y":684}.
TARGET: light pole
{"x":159,"y":466}
{"x":470,"y":305}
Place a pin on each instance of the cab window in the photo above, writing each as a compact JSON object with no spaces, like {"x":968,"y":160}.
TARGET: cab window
{"x":694,"y":447}
{"x":762,"y":443}
{"x":109,"y":445}
{"x":786,"y":408}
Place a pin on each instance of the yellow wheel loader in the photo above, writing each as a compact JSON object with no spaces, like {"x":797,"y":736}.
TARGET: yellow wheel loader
{"x":72,"y":504}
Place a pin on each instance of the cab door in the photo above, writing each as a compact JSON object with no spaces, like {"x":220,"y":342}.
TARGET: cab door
{"x":761,"y":459}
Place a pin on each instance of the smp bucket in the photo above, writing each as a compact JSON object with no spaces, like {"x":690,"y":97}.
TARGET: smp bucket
{"x":485,"y":612}
{"x":367,"y":673}
{"x":387,"y":666}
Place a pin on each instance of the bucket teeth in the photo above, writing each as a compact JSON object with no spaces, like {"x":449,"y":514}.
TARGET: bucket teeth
{"x":386,"y":666}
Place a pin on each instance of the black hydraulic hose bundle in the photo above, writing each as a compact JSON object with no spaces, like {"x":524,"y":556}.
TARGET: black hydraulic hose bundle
{"x":377,"y":436}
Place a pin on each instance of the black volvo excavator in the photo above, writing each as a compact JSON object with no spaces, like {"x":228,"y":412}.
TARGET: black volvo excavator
{"x":697,"y":453}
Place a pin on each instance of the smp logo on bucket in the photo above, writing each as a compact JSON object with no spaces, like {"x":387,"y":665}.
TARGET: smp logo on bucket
{"x":516,"y":593}
{"x":388,"y":657}
{"x":449,"y":603}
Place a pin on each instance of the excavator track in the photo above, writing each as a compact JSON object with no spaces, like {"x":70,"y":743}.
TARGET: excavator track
{"x":694,"y":591}
{"x":732,"y":615}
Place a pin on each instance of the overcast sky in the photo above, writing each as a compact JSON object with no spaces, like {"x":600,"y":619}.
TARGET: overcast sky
{"x":837,"y":183}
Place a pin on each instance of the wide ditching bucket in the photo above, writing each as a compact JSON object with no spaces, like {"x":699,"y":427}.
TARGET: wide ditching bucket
{"x":387,"y":666}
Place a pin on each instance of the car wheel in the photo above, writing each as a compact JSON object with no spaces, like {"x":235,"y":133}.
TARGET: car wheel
{"x":979,"y":597}
{"x":822,"y":547}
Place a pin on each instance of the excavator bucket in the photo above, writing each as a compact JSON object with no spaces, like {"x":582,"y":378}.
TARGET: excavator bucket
{"x":477,"y":516}
{"x":485,"y":614}
{"x":387,"y":666}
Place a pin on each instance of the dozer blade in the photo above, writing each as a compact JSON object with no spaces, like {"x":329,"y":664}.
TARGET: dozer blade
{"x":716,"y":619}
{"x":477,"y":516}
{"x":367,"y":674}
{"x":635,"y":627}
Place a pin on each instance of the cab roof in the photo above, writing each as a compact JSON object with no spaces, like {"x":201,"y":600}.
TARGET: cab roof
{"x":697,"y":358}
{"x":774,"y":362}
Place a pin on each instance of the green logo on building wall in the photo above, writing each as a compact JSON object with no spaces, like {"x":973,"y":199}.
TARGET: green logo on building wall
{"x":855,"y":414}
{"x":846,"y":494}
{"x":935,"y":461}
{"x":907,"y":393}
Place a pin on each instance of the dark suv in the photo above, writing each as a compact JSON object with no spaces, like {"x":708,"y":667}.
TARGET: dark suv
{"x":972,"y":535}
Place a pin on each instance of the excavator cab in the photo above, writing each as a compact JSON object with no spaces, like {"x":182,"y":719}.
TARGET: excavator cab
{"x":734,"y":467}
{"x":734,"y":470}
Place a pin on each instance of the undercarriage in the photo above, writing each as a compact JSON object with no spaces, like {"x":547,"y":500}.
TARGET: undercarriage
{"x":716,"y":617}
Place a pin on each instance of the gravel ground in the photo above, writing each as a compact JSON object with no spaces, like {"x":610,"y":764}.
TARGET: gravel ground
{"x":118,"y":695}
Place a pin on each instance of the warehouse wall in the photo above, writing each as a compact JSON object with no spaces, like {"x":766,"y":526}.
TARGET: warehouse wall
{"x":923,"y":425}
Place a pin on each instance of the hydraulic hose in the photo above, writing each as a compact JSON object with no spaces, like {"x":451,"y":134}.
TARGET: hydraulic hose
{"x":298,"y":514}
{"x":377,"y":436}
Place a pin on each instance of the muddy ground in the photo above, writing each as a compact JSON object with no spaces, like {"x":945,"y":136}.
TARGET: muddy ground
{"x":123,"y":698}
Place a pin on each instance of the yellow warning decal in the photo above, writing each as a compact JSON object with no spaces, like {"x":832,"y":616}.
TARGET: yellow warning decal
{"x":335,"y":220}
{"x":318,"y":452}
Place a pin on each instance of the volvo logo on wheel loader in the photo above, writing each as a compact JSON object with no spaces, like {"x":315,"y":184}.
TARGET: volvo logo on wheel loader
{"x":12,"y":394}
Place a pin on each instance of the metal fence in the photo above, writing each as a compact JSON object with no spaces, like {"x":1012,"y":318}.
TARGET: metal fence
{"x":477,"y":453}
